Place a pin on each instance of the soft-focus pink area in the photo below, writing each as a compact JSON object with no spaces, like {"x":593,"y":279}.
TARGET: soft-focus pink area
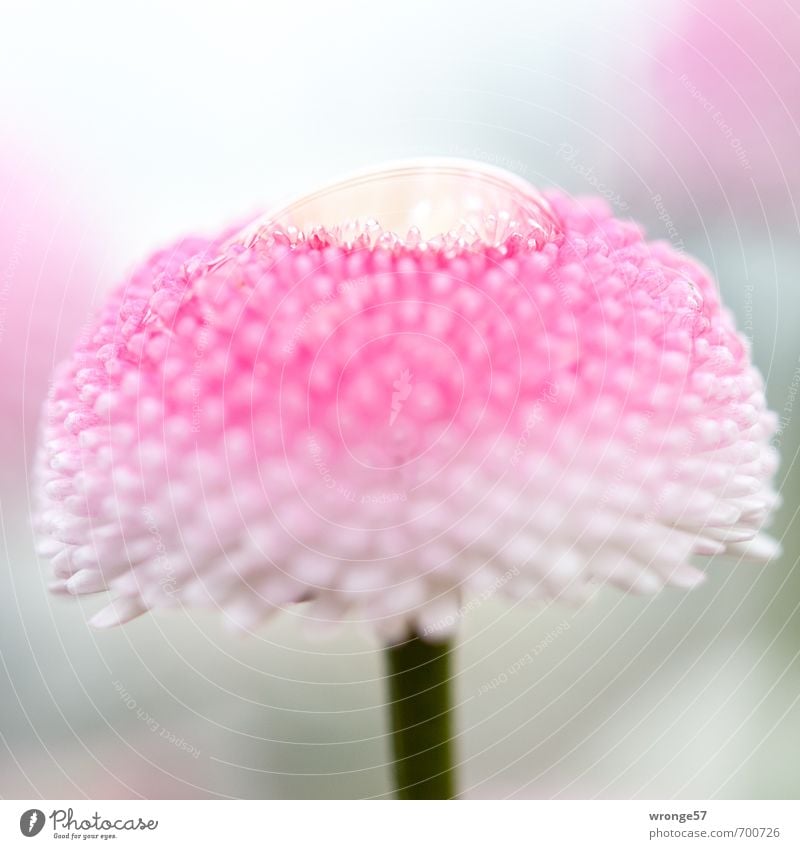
{"x":727,"y":76}
{"x":49,"y":268}
{"x":387,"y":429}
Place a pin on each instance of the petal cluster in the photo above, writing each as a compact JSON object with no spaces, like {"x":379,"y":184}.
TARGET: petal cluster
{"x":385,"y":428}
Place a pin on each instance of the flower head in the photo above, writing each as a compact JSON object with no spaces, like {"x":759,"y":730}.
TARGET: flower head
{"x":49,"y":271}
{"x":409,"y":390}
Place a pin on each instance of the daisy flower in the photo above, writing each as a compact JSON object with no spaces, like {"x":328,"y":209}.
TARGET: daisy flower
{"x":413,"y":388}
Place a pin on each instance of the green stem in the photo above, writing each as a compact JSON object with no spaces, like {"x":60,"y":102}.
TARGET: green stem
{"x":422,"y":738}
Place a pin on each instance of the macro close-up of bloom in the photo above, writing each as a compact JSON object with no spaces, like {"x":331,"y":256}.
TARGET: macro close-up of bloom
{"x":412,"y":387}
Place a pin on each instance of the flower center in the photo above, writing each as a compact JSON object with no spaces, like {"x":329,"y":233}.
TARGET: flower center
{"x":440,"y":203}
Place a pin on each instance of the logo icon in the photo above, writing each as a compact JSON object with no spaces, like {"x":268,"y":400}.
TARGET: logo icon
{"x":31,"y":822}
{"x":402,"y":387}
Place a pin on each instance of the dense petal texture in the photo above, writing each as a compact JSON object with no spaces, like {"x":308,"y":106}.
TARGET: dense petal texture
{"x":387,"y":428}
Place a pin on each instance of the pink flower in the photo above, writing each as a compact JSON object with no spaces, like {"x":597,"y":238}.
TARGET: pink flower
{"x":520,"y":396}
{"x":49,"y":269}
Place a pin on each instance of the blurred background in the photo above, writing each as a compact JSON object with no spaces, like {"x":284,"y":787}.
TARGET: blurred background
{"x":124,"y":129}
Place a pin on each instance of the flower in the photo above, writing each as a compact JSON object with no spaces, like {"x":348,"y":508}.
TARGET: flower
{"x":48,"y":271}
{"x":520,"y":396}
